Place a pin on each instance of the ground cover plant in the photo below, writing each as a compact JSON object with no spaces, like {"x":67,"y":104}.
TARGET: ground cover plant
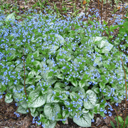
{"x":55,"y":69}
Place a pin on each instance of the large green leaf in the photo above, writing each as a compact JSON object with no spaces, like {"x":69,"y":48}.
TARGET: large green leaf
{"x":32,"y":73}
{"x":50,"y":98}
{"x":82,"y":83}
{"x":95,"y":89}
{"x":85,"y":110}
{"x":34,"y":113}
{"x":50,"y":63}
{"x":2,"y":88}
{"x":30,"y":88}
{"x":36,"y":54}
{"x":35,"y":99}
{"x":39,"y":101}
{"x":59,"y":85}
{"x":74,"y":82}
{"x":37,"y":64}
{"x":96,"y":108}
{"x":21,"y":110}
{"x":60,"y":39}
{"x":50,"y":124}
{"x":17,"y":95}
{"x":103,"y":44}
{"x":10,"y":16}
{"x":90,"y":100}
{"x":120,"y":72}
{"x":107,"y":48}
{"x":13,"y":56}
{"x":97,"y":60}
{"x":102,"y":85}
{"x":63,"y":54}
{"x":28,"y":59}
{"x":72,"y":95}
{"x":59,"y":75}
{"x":91,"y":114}
{"x":37,"y":78}
{"x":65,"y":113}
{"x":23,"y":104}
{"x":83,"y":121}
{"x":51,"y":80}
{"x":8,"y":98}
{"x":53,"y":49}
{"x":33,"y":110}
{"x":45,"y":73}
{"x":50,"y":110}
{"x":28,"y":81}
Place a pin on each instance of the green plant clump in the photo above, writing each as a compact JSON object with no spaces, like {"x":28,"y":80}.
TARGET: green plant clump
{"x":55,"y":69}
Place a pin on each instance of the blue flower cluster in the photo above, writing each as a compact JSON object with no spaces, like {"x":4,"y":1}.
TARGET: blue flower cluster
{"x":70,"y":59}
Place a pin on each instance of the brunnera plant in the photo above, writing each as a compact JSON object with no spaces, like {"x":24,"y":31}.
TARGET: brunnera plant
{"x":55,"y":72}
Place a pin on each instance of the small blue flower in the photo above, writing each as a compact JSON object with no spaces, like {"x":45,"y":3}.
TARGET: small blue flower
{"x":104,"y":90}
{"x":52,"y":98}
{"x":110,"y":114}
{"x":111,"y":109}
{"x":42,"y":89}
{"x":92,"y":120}
{"x":104,"y":117}
{"x":33,"y":120}
{"x":1,"y":96}
{"x":39,"y":123}
{"x":105,"y":112}
{"x":102,"y":100}
{"x":53,"y":92}
{"x":15,"y":82}
{"x":43,"y":125}
{"x":116,"y":104}
{"x":53,"y":118}
{"x":60,"y":96}
{"x":17,"y":114}
{"x":67,"y":93}
{"x":101,"y":109}
{"x":62,"y":107}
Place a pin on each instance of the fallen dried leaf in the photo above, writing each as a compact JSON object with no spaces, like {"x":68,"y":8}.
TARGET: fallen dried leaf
{"x":84,"y":2}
